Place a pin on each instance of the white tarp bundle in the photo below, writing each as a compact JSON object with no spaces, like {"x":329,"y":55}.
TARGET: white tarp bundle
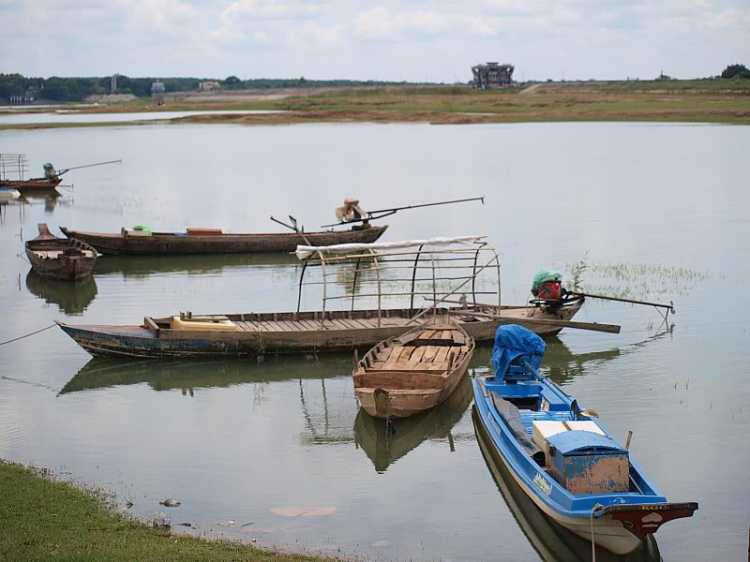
{"x":304,"y":252}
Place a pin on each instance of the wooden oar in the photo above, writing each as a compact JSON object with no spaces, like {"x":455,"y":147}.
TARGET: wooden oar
{"x":593,"y":326}
{"x":669,"y":306}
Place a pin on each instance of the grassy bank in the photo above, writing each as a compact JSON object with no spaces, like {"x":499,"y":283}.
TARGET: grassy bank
{"x":699,"y":101}
{"x":42,"y":519}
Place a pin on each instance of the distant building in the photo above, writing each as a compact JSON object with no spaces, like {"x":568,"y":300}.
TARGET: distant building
{"x":27,"y":98}
{"x":492,"y":75}
{"x":113,"y":83}
{"x":209,"y":85}
{"x":157,"y":92}
{"x":664,"y":78}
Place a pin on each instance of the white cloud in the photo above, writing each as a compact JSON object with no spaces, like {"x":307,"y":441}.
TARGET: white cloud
{"x":155,"y":15}
{"x":379,"y":23}
{"x":312,"y":33}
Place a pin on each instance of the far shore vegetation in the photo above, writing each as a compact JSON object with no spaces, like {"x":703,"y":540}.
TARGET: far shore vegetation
{"x":722,"y":99}
{"x":45,"y":519}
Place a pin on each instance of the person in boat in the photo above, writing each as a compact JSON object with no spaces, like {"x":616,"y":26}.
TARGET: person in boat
{"x":49,"y":172}
{"x":351,"y":211}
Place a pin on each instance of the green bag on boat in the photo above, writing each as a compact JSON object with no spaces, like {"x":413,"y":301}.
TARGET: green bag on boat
{"x":143,"y":228}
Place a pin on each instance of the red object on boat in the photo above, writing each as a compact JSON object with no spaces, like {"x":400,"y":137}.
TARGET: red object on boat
{"x":204,"y":232}
{"x":550,"y":290}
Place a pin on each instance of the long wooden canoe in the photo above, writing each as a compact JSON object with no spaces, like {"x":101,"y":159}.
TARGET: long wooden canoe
{"x":175,"y":243}
{"x":403,"y":376}
{"x":254,"y":334}
{"x":39,"y":184}
{"x":60,"y":258}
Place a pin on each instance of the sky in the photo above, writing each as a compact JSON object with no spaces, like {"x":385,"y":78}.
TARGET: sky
{"x":436,"y":41}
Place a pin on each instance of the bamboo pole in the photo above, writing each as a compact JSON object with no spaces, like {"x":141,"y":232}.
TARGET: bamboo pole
{"x":593,"y":326}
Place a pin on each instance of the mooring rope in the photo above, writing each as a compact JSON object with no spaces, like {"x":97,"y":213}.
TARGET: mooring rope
{"x":29,"y":335}
{"x":593,"y":543}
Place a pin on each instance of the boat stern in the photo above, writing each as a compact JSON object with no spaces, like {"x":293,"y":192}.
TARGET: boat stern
{"x":645,"y":519}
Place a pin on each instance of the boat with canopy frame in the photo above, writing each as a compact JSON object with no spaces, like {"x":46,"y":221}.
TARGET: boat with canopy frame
{"x":357,"y":285}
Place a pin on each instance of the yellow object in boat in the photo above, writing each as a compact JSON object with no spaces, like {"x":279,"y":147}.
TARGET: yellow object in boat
{"x":203,"y":325}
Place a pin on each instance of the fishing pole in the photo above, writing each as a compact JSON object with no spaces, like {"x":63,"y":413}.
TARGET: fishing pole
{"x":372,"y":215}
{"x":61,"y":172}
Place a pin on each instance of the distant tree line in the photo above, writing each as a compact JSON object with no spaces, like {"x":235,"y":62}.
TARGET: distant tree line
{"x":77,"y":89}
{"x":736,"y":71}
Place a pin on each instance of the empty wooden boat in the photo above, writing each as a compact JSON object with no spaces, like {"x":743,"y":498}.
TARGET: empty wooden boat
{"x":214,"y":241}
{"x":562,"y":456}
{"x":414,"y":372}
{"x":59,"y":258}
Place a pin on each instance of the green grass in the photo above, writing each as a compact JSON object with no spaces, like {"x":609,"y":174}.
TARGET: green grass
{"x":43,"y":519}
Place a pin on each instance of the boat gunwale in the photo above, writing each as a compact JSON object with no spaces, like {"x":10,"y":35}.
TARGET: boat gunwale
{"x":213,"y":237}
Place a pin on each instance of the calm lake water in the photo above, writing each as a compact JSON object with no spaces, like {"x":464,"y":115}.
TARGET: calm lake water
{"x":276,"y":450}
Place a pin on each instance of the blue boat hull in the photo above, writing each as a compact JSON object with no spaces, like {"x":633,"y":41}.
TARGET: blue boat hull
{"x":618,"y":518}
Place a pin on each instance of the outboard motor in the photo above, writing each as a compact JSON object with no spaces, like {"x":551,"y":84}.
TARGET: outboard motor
{"x":547,"y":285}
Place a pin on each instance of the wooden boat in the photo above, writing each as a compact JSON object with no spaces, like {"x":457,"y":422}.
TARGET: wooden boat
{"x":563,"y":457}
{"x":286,"y":333}
{"x":58,"y":258}
{"x":33,"y":184}
{"x":344,"y":273}
{"x":213,"y":241}
{"x":413,"y":372}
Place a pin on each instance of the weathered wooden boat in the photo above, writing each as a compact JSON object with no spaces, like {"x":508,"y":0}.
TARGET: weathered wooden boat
{"x":386,"y":442}
{"x":214,"y":241}
{"x":59,"y":258}
{"x":563,"y":458}
{"x":414,"y":372}
{"x":270,"y":333}
{"x":351,"y":270}
{"x":35,"y":184}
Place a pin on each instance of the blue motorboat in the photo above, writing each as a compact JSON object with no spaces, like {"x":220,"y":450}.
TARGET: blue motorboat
{"x":561,"y":455}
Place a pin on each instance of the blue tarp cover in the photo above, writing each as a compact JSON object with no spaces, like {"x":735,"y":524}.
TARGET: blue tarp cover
{"x":513,"y":342}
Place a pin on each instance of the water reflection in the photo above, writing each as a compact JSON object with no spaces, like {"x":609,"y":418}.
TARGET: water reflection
{"x":552,"y":541}
{"x":71,"y":297}
{"x":143,"y":266}
{"x":386,"y":442}
{"x":190,"y":375}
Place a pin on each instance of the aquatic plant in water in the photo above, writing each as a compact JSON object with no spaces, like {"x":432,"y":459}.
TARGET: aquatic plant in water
{"x":632,"y":280}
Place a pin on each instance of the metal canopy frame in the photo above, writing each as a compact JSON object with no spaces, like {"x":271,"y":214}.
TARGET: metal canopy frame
{"x":17,"y":164}
{"x":466,"y":260}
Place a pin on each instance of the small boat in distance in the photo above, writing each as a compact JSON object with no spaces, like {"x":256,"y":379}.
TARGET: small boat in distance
{"x":215,"y":241}
{"x":414,"y":372}
{"x":59,"y":258}
{"x":561,"y":456}
{"x":18,"y":164}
